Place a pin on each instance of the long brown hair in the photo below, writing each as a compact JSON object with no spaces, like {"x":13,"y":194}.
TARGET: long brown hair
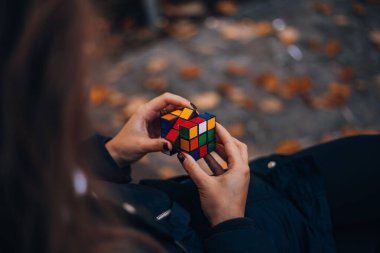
{"x":43,"y":118}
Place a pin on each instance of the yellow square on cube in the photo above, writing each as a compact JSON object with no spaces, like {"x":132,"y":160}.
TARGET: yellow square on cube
{"x":211,"y":123}
{"x":186,"y":113}
{"x":193,"y":132}
{"x":185,"y":145}
{"x":177,"y":112}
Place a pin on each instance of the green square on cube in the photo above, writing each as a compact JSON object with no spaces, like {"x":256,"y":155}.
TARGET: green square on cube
{"x":211,"y":134}
{"x":202,"y":139}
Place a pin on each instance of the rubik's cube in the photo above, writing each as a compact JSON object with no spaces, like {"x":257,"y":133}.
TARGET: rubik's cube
{"x":189,"y":132}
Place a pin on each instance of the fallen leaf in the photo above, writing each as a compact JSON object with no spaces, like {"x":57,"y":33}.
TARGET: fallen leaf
{"x":295,"y":86}
{"x":268,"y":81}
{"x":332,"y":48}
{"x":189,"y":9}
{"x":324,"y":8}
{"x":167,"y":172}
{"x":341,"y":20}
{"x":287,"y":147}
{"x":206,"y":100}
{"x":117,"y":72}
{"x":116,"y":98}
{"x":345,"y":74}
{"x":182,"y":29}
{"x":190,"y":72}
{"x":271,"y":105}
{"x":236,"y":95}
{"x":327,"y":138}
{"x":336,"y":95}
{"x":314,"y":44}
{"x":98,"y":94}
{"x":237,"y":129}
{"x":236,"y":70}
{"x":359,"y":9}
{"x":156,"y":83}
{"x":156,"y":65}
{"x":226,"y":7}
{"x":263,"y":28}
{"x":289,"y":35}
{"x":374,"y":36}
{"x":351,"y":131}
{"x":239,"y":31}
{"x":133,"y":104}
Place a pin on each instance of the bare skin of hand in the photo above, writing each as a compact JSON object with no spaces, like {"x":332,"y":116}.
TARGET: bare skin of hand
{"x":222,"y":197}
{"x":141,"y":134}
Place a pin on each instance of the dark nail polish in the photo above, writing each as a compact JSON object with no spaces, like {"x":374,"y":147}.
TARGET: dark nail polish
{"x":181,"y":157}
{"x":194,"y":106}
{"x":165,"y":147}
{"x":163,"y":112}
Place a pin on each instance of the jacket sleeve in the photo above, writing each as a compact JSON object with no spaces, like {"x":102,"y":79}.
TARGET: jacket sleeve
{"x":101,"y":162}
{"x":238,"y":235}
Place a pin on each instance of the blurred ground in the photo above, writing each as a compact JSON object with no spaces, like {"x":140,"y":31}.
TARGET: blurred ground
{"x":281,"y":75}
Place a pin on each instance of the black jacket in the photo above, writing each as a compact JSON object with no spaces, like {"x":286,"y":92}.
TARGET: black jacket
{"x":287,"y":209}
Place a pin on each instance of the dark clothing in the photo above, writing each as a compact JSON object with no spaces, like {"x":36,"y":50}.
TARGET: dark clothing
{"x":288,"y":205}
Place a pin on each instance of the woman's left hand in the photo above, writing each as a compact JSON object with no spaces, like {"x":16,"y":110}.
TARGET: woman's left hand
{"x":141,"y":134}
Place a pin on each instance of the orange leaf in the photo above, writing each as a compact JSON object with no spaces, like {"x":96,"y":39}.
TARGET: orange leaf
{"x":268,"y":81}
{"x":324,"y":8}
{"x":98,"y":94}
{"x":287,"y":147}
{"x":346,"y":74}
{"x":190,"y":72}
{"x":332,"y":48}
{"x":236,"y":70}
{"x":336,"y":95}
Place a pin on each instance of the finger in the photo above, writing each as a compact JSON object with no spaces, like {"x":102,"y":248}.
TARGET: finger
{"x":231,"y":150}
{"x":214,"y":166}
{"x":219,"y":149}
{"x":166,"y":99}
{"x":192,"y":168}
{"x":243,"y":149}
{"x":155,"y":145}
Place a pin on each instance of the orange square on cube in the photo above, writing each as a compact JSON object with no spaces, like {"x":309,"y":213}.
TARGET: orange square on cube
{"x":193,"y":144}
{"x":185,"y":145}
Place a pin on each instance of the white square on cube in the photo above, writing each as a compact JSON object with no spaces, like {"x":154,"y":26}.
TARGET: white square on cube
{"x":202,"y":127}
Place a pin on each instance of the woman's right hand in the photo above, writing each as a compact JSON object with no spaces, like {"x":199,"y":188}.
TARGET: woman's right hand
{"x":222,"y":197}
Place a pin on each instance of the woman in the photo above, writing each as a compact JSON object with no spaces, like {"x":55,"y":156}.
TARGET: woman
{"x":59,"y":194}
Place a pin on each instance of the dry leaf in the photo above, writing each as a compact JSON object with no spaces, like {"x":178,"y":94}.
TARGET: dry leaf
{"x":289,"y":35}
{"x":167,"y":172}
{"x":117,"y":72}
{"x":287,"y":147}
{"x":116,"y":98}
{"x":98,"y":94}
{"x":133,"y":104}
{"x":324,"y":8}
{"x":327,"y":138}
{"x":359,"y":9}
{"x":236,"y":70}
{"x":182,"y":29}
{"x":268,"y":81}
{"x":263,"y":28}
{"x":374,"y":36}
{"x":271,"y":105}
{"x":190,"y":72}
{"x":295,"y":86}
{"x":156,"y":83}
{"x":237,"y":130}
{"x":350,"y":131}
{"x":236,"y":95}
{"x":207,"y":100}
{"x":332,"y":48}
{"x":341,"y":20}
{"x":192,"y":9}
{"x":345,"y":74}
{"x":226,"y":7}
{"x":239,"y":31}
{"x":314,"y":44}
{"x":156,"y":65}
{"x":336,"y":96}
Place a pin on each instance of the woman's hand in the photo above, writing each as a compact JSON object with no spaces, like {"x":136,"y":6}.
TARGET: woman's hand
{"x":141,"y":134}
{"x":222,"y":197}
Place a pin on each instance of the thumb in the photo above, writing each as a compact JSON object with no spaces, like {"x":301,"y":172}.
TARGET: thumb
{"x":154,"y":145}
{"x":192,"y":168}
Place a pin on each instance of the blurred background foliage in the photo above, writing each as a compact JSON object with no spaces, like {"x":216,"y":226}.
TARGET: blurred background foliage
{"x":280,"y":75}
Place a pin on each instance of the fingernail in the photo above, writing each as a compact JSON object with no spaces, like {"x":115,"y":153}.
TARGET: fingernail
{"x":194,"y":106}
{"x":165,"y":147}
{"x":163,"y":112}
{"x":181,"y":157}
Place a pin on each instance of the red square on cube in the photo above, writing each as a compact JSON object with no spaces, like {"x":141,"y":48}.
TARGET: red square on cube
{"x":178,"y":123}
{"x":203,"y":151}
{"x":172,"y":135}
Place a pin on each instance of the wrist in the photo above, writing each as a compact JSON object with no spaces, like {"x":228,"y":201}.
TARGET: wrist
{"x":115,"y":153}
{"x":222,"y":218}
